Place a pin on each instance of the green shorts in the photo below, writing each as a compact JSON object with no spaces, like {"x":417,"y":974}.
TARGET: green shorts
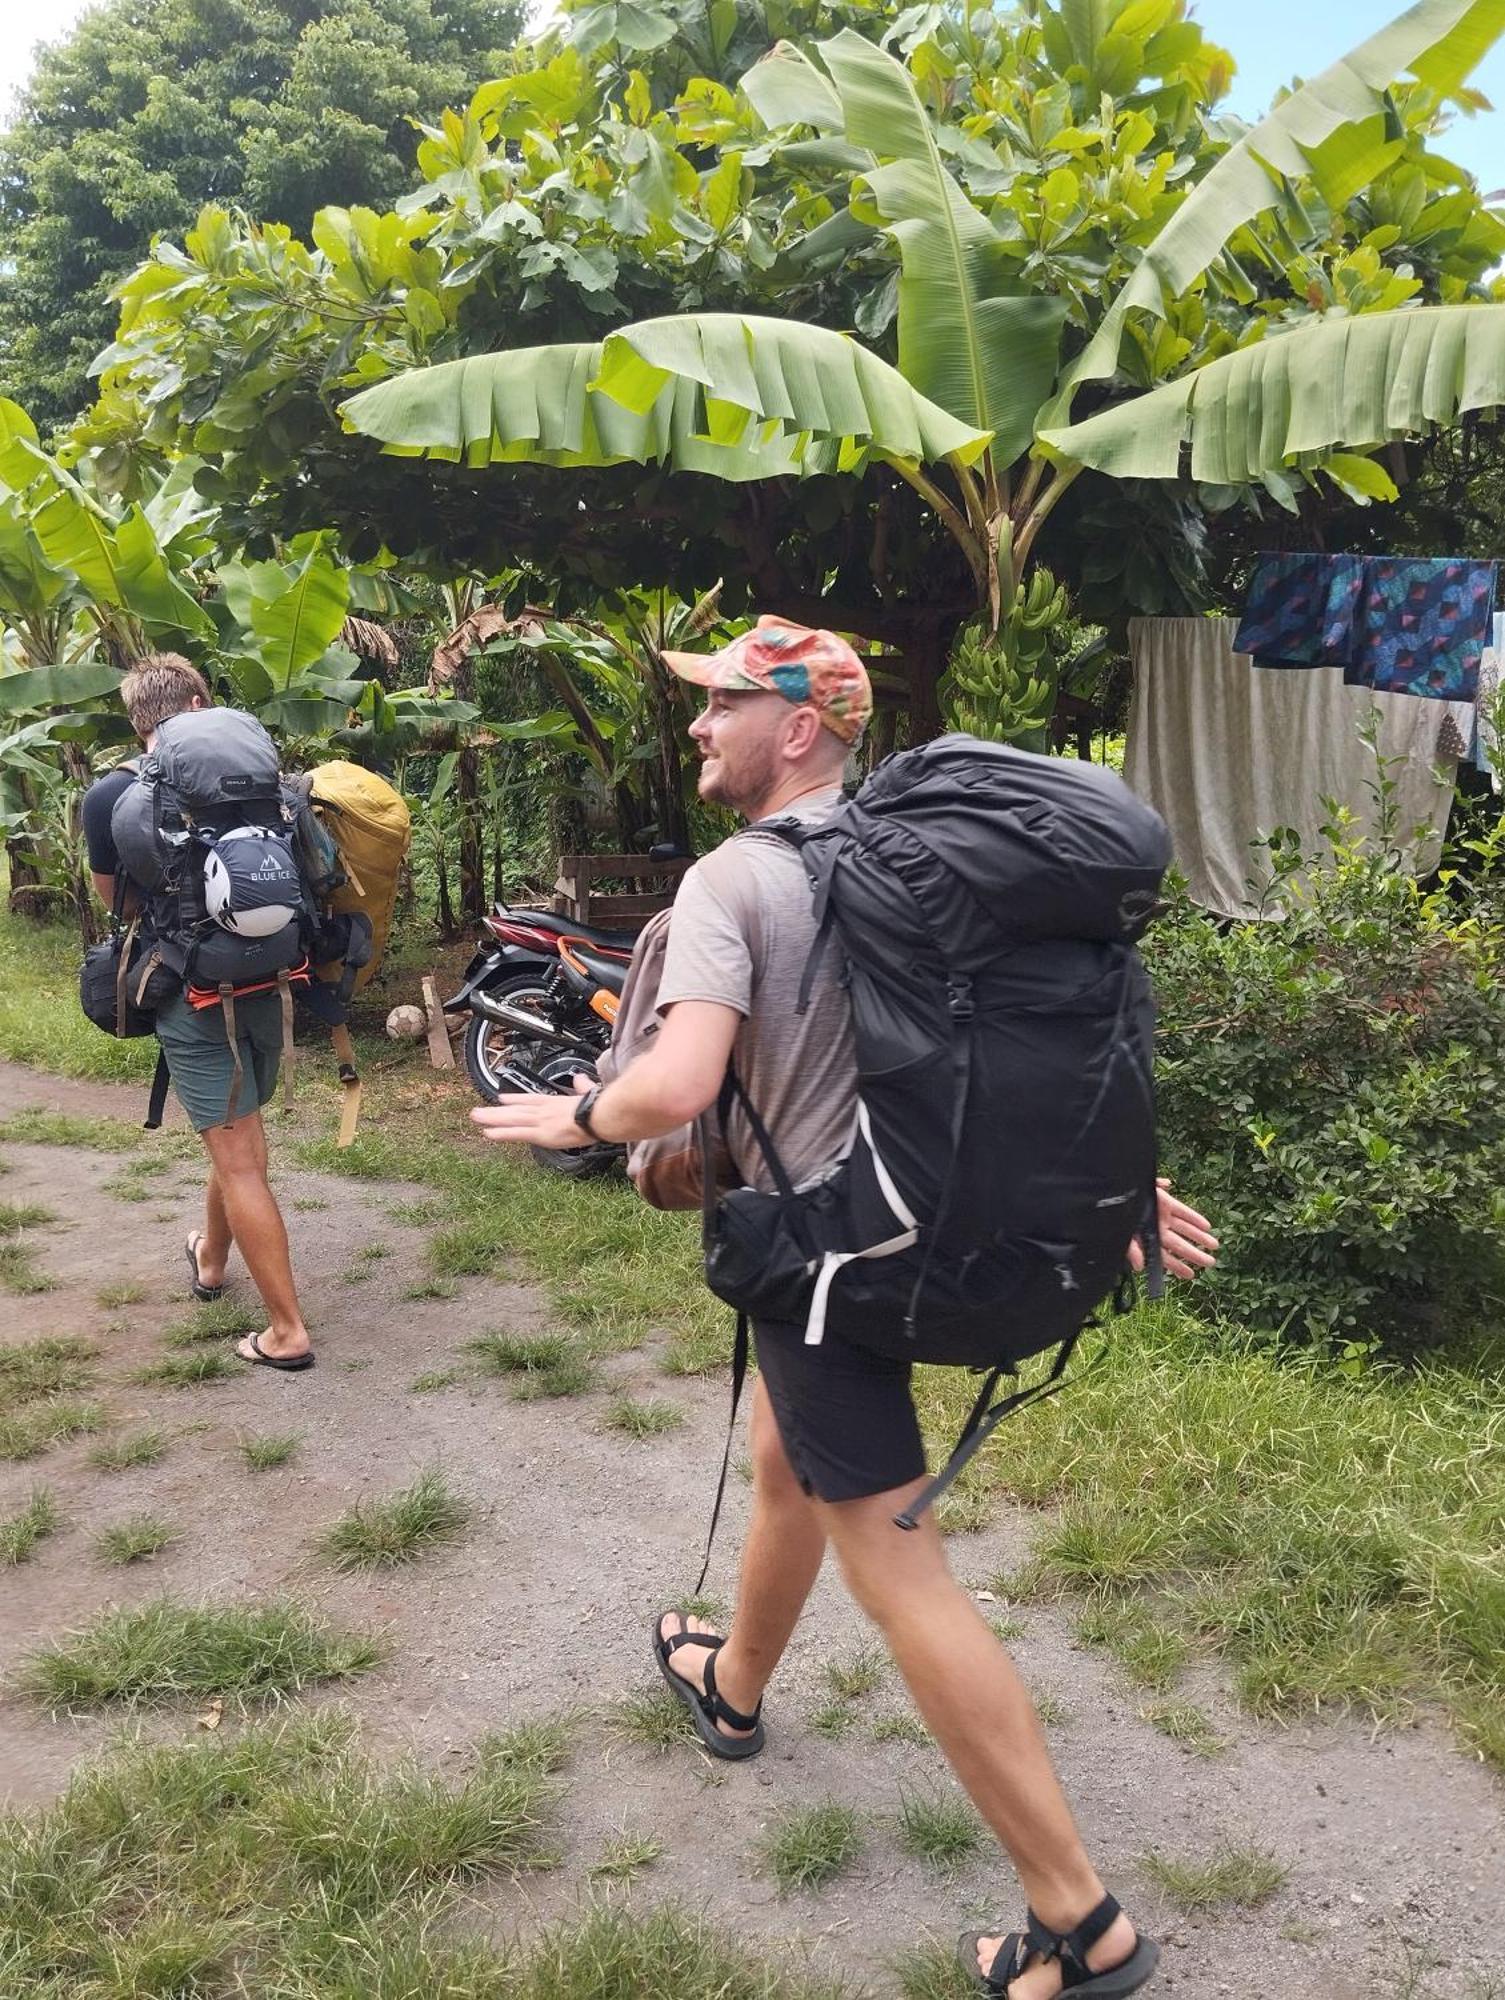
{"x":199,"y":1061}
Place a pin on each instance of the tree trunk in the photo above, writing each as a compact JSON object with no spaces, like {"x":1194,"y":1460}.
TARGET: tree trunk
{"x":472,"y":843}
{"x":925,"y":660}
{"x":28,"y":896}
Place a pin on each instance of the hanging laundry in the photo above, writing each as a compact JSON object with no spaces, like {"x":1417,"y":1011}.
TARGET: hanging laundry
{"x":1489,"y":754}
{"x":1226,"y":756}
{"x":1300,"y":610}
{"x":1422,"y":625}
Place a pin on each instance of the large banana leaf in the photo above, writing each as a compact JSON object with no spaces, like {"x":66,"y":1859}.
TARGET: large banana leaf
{"x":296,"y":616}
{"x":29,"y":585}
{"x":1340,"y":129}
{"x":983,"y":352}
{"x":56,"y":687}
{"x":1334,"y":382}
{"x":736,"y":395}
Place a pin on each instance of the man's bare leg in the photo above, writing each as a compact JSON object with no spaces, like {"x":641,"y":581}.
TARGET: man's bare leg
{"x":781,"y":1558}
{"x":238,"y":1155}
{"x":979,"y":1711}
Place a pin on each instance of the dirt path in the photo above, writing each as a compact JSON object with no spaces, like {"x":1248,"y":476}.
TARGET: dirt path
{"x":1394,"y":1843}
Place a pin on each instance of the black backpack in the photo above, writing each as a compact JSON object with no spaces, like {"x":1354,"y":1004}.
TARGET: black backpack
{"x":986,"y":904}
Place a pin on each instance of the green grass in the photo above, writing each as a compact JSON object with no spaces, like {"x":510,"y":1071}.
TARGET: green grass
{"x":48,"y":1367}
{"x":18,"y":1215}
{"x":18,"y":1268}
{"x":1147,"y":1646}
{"x":430,"y":1288}
{"x":1336,"y":1540}
{"x":40,"y":1019}
{"x":1184,"y":1723}
{"x":640,"y":1420}
{"x":167,"y":1652}
{"x":217,"y":1319}
{"x":134,"y":1540}
{"x":625,"y":1856}
{"x":28,"y":1433}
{"x":833,"y":1720}
{"x":309,"y":1204}
{"x":938,"y":1828}
{"x":381,"y":1533}
{"x":653,"y":1718}
{"x":808,"y":1846}
{"x":434,"y":1379}
{"x":538,"y":1365}
{"x":931,"y":1972}
{"x":62,"y":1128}
{"x":266,"y":1453}
{"x":899,"y":1729}
{"x":146,"y":1447}
{"x":372,"y":1253}
{"x":278,"y":1859}
{"x":863,"y":1673}
{"x":127,"y":1293}
{"x":1232,"y":1878}
{"x":188,"y":1371}
{"x":21,"y":1533}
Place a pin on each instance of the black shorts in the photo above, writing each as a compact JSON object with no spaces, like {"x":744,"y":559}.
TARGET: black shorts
{"x":845,"y":1416}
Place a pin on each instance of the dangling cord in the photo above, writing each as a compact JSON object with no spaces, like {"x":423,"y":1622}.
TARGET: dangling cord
{"x":739,"y":1376}
{"x":289,"y":1055}
{"x":227,"y":1004}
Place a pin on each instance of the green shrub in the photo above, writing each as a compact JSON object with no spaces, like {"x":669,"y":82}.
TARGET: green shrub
{"x":1332,"y":1094}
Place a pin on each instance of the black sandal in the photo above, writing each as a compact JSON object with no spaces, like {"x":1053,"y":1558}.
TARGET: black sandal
{"x":1037,"y":1941}
{"x":207,"y":1294}
{"x":707,"y":1709}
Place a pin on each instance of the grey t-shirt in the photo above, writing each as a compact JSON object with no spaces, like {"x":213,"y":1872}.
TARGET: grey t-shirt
{"x":740,"y":936}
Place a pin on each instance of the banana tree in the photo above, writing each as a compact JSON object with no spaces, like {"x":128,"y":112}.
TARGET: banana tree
{"x":977,"y":416}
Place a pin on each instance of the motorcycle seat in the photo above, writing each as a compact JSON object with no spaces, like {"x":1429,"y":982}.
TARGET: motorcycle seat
{"x":562,"y":926}
{"x":607,"y":970}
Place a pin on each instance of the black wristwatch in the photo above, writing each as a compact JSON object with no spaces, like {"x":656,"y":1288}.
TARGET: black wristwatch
{"x":583,"y":1109}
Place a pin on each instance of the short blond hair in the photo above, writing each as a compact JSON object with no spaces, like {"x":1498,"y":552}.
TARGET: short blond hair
{"x":159,"y":685}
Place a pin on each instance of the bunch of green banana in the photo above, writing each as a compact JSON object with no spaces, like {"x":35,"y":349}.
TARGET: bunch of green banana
{"x":1002,"y":685}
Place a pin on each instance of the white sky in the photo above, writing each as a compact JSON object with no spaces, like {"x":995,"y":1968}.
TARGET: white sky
{"x":26,"y":23}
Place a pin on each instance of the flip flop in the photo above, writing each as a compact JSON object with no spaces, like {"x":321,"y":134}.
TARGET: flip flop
{"x":708,"y":1708}
{"x":258,"y":1358}
{"x":206,"y":1293}
{"x":1069,"y":1948}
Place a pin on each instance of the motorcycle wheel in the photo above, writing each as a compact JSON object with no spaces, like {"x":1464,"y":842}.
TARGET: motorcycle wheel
{"x":488,"y":1043}
{"x":579,"y":1163}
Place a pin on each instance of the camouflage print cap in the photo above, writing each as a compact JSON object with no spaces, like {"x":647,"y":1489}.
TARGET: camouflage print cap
{"x":802,"y":665}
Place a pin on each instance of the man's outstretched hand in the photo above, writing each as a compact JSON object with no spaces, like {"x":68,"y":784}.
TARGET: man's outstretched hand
{"x":1187,"y":1244}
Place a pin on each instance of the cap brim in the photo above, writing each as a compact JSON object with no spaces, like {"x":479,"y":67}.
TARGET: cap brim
{"x":697,"y":667}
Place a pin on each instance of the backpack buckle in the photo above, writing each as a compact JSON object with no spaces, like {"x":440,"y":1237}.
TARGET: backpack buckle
{"x":959,"y":996}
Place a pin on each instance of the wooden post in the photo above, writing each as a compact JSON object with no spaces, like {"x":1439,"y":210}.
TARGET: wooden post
{"x":441,"y":1055}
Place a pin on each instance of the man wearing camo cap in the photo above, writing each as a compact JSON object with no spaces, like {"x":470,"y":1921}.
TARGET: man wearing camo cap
{"x":835,"y":1441}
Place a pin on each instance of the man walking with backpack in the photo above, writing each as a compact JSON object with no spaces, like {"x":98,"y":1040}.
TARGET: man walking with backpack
{"x":222,"y":1057}
{"x":836,"y":1448}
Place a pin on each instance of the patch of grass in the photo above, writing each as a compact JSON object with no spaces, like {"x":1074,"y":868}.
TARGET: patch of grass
{"x":372,"y":1253}
{"x":146,"y":1447}
{"x":1184,"y":1723}
{"x":1481,"y":1722}
{"x":1341,"y":1529}
{"x":137,"y":1180}
{"x":1149,"y":1648}
{"x":539,"y":1365}
{"x":625,"y":1856}
{"x":1232,"y":1878}
{"x":188,"y":1371}
{"x":309,"y":1204}
{"x":134,"y":1540}
{"x":808,"y":1846}
{"x":834,"y":1719}
{"x":58,"y":1128}
{"x":642,"y":1420}
{"x":541,"y":1747}
{"x":28,"y":1433}
{"x":1052,"y":1711}
{"x":18,"y":1269}
{"x":700,"y":1604}
{"x":668,"y":1951}
{"x":165,"y":1652}
{"x":863,"y":1673}
{"x":358,"y":1274}
{"x":18,"y":1215}
{"x":431,"y":1288}
{"x":966,"y":1509}
{"x":468,"y":1250}
{"x":127,"y":1293}
{"x":417,"y":1214}
{"x":48,"y":1367}
{"x":932,"y":1972}
{"x":280,"y":1856}
{"x":21,"y":1533}
{"x":378,"y":1533}
{"x":1007,"y":1630}
{"x":435,"y":1379}
{"x":938,"y":1828}
{"x":899,"y":1729}
{"x":216,"y":1319}
{"x":654,"y":1718}
{"x":268,"y":1451}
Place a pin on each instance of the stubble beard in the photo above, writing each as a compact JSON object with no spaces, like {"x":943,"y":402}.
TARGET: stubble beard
{"x":742,"y":787}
